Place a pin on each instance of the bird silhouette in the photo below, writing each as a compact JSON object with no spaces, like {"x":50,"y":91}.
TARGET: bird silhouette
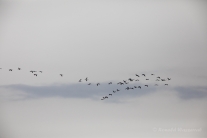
{"x":86,"y":79}
{"x":143,"y":74}
{"x":136,"y":80}
{"x":61,"y":75}
{"x":146,"y":85}
{"x":35,"y":74}
{"x":10,"y":69}
{"x":152,"y":74}
{"x":80,"y":80}
{"x":135,"y":86}
{"x":139,"y":87}
{"x":40,"y":71}
{"x":110,"y":94}
{"x":163,"y":79}
{"x":117,"y":90}
{"x":137,"y":75}
{"x":19,"y":68}
{"x":110,"y":83}
{"x":169,"y":78}
{"x":147,"y":79}
{"x":89,"y":84}
{"x":98,"y":84}
{"x":166,"y":84}
{"x":158,"y":77}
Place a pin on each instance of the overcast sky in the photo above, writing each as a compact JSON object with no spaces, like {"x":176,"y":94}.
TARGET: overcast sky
{"x":106,"y":41}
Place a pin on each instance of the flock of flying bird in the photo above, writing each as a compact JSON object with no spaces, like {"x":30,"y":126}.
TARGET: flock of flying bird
{"x":124,"y":82}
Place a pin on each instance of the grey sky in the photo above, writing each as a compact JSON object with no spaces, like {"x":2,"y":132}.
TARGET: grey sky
{"x":104,"y":41}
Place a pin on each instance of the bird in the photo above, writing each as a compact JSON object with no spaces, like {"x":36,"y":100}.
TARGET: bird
{"x":119,"y":83}
{"x":136,"y":80}
{"x":143,"y":74}
{"x":61,"y":75}
{"x":127,"y":88}
{"x":125,"y":82}
{"x":110,"y":94}
{"x":114,"y":91}
{"x":157,"y":80}
{"x":139,"y":87}
{"x":110,"y":83}
{"x":89,"y":84}
{"x":163,"y":79}
{"x":147,"y":79}
{"x":40,"y":71}
{"x":166,"y":84}
{"x":137,"y":75}
{"x":117,"y":90}
{"x":158,"y":77}
{"x":35,"y":74}
{"x":80,"y":80}
{"x":19,"y":68}
{"x":32,"y":71}
{"x":98,"y":84}
{"x":86,"y":79}
{"x":146,"y":85}
{"x":135,"y":86}
{"x":10,"y":69}
{"x":152,"y":74}
{"x":169,"y":78}
{"x":106,"y":96}
{"x":156,"y":84}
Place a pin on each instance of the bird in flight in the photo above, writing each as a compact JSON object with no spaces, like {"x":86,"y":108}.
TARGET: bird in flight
{"x":110,"y":83}
{"x":35,"y":74}
{"x":114,"y":91}
{"x":143,"y":74}
{"x":146,"y":85}
{"x":137,"y":75}
{"x":139,"y":87}
{"x":86,"y":79}
{"x":98,"y":84}
{"x":166,"y":84}
{"x":40,"y":71}
{"x":10,"y":69}
{"x":169,"y":78}
{"x":147,"y":79}
{"x":110,"y":94}
{"x":152,"y":74}
{"x":61,"y":75}
{"x":89,"y":84}
{"x":19,"y":68}
{"x":80,"y":80}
